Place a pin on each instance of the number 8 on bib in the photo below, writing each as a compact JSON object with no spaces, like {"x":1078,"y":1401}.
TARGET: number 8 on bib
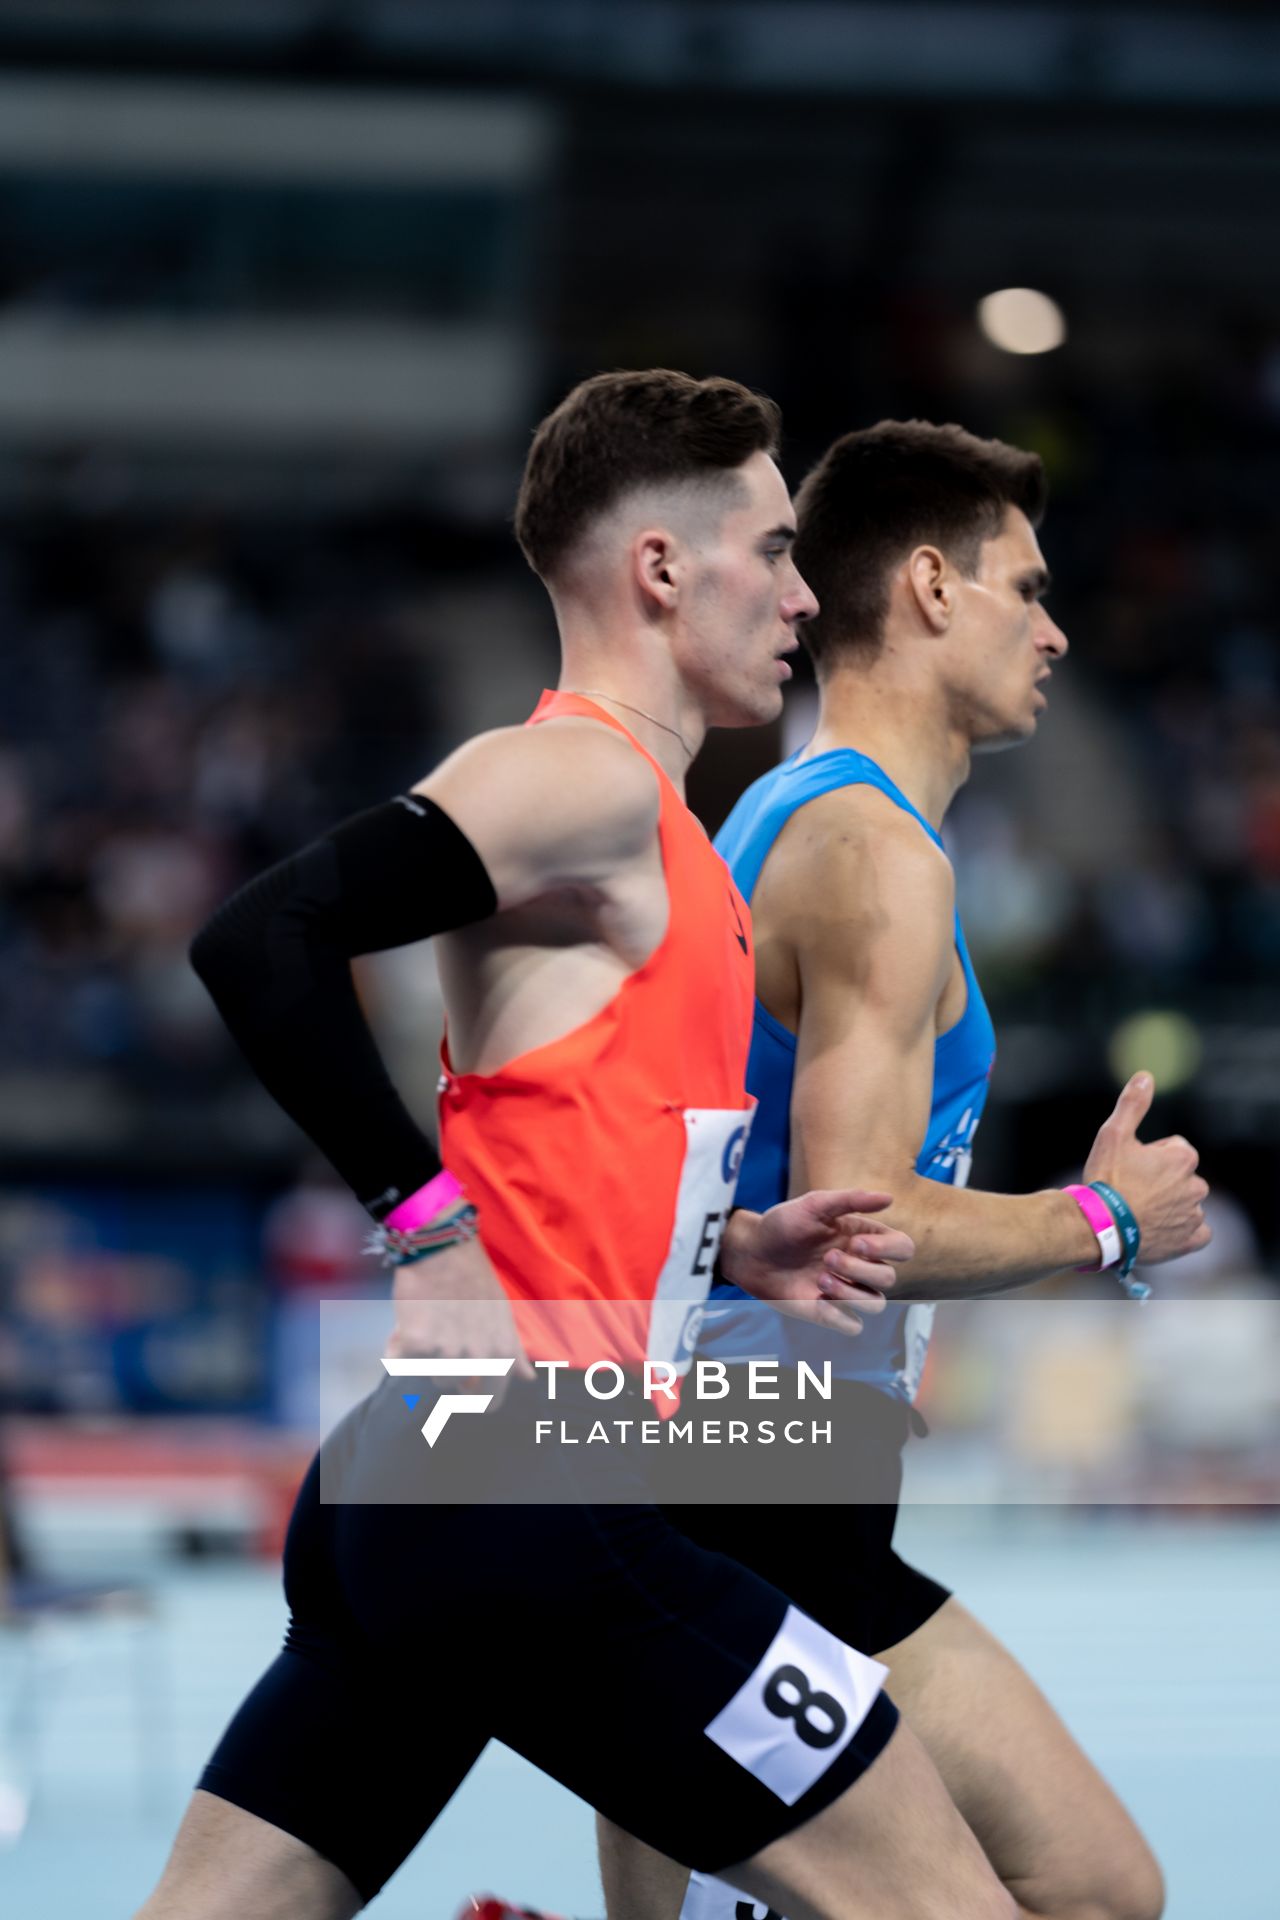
{"x":799,"y":1708}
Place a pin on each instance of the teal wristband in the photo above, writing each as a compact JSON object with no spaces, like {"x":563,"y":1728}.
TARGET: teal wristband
{"x":1130,"y":1238}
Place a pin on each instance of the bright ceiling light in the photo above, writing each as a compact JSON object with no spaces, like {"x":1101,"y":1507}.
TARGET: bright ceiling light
{"x":1020,"y":320}
{"x":1167,"y":1044}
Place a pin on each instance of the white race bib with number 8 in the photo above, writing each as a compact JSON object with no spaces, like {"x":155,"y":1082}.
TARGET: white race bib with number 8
{"x":800,"y":1707}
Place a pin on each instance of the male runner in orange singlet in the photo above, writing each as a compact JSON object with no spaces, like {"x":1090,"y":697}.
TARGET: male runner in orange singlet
{"x":598,"y":979}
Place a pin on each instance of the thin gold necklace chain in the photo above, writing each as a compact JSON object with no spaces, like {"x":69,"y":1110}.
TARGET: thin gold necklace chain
{"x":598,"y":694}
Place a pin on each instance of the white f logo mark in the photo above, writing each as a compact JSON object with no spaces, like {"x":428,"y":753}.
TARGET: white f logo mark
{"x":434,"y":1424}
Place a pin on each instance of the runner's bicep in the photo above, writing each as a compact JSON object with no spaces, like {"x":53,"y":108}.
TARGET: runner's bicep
{"x":861,"y":1099}
{"x":864,"y":1061}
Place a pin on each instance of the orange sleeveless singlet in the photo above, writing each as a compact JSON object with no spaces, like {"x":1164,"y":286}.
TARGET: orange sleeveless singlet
{"x":603,"y":1164}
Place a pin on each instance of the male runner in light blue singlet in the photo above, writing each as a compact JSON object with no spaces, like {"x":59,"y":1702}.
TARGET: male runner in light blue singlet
{"x":890,"y":1352}
{"x":872,"y":1049}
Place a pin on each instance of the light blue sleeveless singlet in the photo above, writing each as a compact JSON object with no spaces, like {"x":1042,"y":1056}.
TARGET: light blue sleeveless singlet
{"x":890,"y":1351}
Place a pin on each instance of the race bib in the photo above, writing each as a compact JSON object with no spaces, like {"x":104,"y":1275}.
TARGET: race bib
{"x":799,"y":1709}
{"x":710,"y":1899}
{"x":917,"y":1330}
{"x":715,"y":1141}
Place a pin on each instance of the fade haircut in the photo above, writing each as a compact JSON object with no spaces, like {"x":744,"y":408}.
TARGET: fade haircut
{"x":878,"y":494}
{"x":619,"y":432}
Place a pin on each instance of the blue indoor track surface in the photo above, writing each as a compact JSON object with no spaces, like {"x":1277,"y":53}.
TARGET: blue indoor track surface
{"x":1155,"y":1635}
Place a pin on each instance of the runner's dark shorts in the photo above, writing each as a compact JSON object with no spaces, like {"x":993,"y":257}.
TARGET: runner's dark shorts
{"x":599,"y":1641}
{"x":821,"y":1527}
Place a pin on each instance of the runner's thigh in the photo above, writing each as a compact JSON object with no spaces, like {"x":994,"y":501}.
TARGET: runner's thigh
{"x":1051,"y":1826}
{"x":352,"y":1741}
{"x":681,"y":1695}
{"x":893,"y":1847}
{"x":227,"y":1864}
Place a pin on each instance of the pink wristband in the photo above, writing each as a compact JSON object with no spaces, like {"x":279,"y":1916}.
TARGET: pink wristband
{"x":426,"y":1203}
{"x":1096,"y":1212}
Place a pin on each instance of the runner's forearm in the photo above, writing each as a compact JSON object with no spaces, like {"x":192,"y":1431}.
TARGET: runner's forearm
{"x":970,"y":1243}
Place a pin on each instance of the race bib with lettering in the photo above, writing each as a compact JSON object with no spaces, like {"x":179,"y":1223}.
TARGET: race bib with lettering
{"x":715,"y":1141}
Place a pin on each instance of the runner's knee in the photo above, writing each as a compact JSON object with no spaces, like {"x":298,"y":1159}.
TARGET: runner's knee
{"x":1134,"y":1891}
{"x":1128,"y":1886}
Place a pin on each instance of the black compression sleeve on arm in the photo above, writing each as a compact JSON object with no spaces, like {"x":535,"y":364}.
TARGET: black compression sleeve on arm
{"x":276,"y":958}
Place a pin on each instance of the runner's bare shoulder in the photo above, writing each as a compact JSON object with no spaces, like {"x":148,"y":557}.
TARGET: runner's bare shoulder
{"x":567,"y":800}
{"x":853,"y":858}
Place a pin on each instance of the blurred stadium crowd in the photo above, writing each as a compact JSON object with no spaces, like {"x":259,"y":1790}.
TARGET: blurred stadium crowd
{"x":283,"y":289}
{"x":183,"y":704}
{"x":185,"y":699}
{"x":275,"y":322}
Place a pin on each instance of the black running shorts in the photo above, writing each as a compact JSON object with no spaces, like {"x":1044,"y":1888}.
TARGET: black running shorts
{"x":835,"y":1557}
{"x":681,"y":1694}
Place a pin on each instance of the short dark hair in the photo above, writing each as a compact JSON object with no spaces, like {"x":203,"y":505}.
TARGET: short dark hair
{"x":881,"y":492}
{"x":619,"y":431}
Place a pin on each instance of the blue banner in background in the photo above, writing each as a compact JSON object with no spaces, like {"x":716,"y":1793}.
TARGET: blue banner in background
{"x":134,"y":1299}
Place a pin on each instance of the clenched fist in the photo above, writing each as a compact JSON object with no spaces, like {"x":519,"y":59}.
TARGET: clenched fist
{"x":1158,"y":1177}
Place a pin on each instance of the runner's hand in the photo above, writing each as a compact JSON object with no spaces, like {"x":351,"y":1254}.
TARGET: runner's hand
{"x":451,"y":1306}
{"x":1158,"y":1177}
{"x":817,"y":1258}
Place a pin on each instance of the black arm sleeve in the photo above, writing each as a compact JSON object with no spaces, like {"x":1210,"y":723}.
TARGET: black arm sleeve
{"x":276,"y":958}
